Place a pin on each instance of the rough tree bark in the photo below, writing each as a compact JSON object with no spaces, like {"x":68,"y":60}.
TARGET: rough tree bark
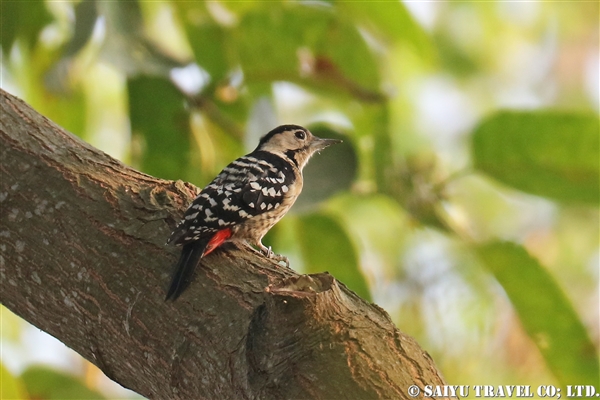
{"x":83,"y":258}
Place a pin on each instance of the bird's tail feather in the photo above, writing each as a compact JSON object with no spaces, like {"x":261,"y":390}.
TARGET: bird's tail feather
{"x":190,"y":256}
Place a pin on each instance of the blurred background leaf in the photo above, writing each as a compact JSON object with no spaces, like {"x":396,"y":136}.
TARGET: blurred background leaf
{"x":391,"y":21}
{"x":46,"y":383}
{"x":545,"y":312}
{"x":22,"y":21}
{"x":547,"y":153}
{"x":158,"y":116}
{"x":325,"y":246}
{"x":11,"y":387}
{"x":419,"y":92}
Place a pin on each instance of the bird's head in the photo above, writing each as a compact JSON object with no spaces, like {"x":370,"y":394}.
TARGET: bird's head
{"x":294,"y":143}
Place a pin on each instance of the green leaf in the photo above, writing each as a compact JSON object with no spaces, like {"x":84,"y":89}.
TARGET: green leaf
{"x":392,"y":20}
{"x":10,"y":387}
{"x":261,"y":33}
{"x":375,"y":221}
{"x":453,"y":58}
{"x":208,"y":42}
{"x":47,"y":384}
{"x":157,"y":113}
{"x":271,"y":42}
{"x":47,"y":94}
{"x":127,"y":46}
{"x":327,"y":173}
{"x":546,"y":153}
{"x":22,"y":19}
{"x":546,"y":314}
{"x":325,"y":246}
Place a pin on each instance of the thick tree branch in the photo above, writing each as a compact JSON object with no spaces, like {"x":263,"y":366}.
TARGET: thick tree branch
{"x":83,"y":258}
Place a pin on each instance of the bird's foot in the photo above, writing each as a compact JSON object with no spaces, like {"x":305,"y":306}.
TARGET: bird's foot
{"x":278,"y":258}
{"x":281,"y":260}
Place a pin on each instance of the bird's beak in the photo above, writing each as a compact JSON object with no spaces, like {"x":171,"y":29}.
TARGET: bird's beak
{"x":318,"y":144}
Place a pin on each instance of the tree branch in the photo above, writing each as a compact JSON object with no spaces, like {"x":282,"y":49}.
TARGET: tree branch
{"x":83,"y":258}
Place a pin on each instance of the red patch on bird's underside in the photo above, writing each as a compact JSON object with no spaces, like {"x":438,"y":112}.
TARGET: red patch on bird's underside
{"x":217,"y":240}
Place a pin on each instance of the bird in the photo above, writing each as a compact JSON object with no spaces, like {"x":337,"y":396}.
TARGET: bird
{"x":245,"y":200}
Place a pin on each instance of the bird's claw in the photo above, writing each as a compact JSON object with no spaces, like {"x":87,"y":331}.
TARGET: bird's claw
{"x":279,"y":258}
{"x":267,"y":252}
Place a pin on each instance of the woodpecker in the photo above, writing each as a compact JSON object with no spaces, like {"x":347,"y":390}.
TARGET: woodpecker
{"x":245,"y":200}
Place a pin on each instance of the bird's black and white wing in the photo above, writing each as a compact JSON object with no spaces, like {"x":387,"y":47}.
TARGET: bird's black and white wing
{"x":249,"y":186}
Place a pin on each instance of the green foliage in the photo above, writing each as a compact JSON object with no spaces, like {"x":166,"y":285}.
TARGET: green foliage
{"x":45,"y":383}
{"x":157,"y":114}
{"x":10,"y":386}
{"x":22,"y":20}
{"x":326,"y":246}
{"x":547,"y":153}
{"x":391,"y":20}
{"x":209,"y":44}
{"x":545,"y":312}
{"x":332,"y":51}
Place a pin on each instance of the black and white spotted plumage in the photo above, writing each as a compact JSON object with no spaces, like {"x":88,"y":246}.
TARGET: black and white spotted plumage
{"x":249,"y":186}
{"x":245,"y":200}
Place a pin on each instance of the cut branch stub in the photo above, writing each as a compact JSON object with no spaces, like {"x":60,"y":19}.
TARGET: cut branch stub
{"x":313,"y":338}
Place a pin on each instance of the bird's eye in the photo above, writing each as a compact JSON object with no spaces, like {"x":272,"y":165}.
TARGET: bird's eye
{"x":300,"y":135}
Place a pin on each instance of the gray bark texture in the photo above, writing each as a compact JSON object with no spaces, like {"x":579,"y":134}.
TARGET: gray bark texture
{"x":83,"y":258}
